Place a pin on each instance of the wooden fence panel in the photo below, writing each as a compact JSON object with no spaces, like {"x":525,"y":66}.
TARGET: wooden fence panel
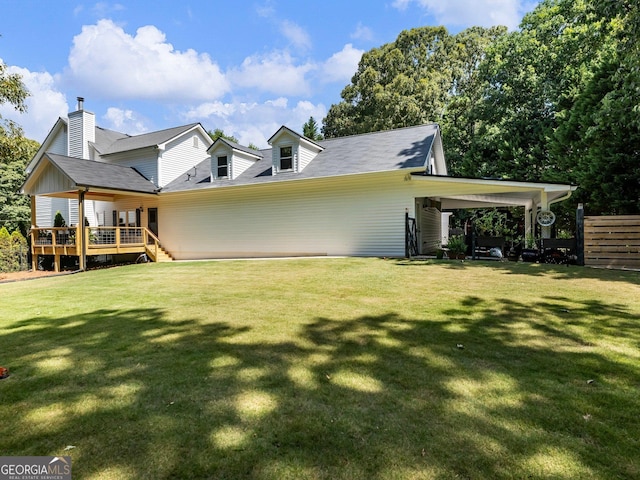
{"x":612,"y":241}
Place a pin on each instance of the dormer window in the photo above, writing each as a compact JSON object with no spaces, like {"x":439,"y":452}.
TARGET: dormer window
{"x":286,"y":158}
{"x":291,"y":152}
{"x":223,"y":167}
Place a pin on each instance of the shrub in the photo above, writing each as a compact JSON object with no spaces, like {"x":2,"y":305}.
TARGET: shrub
{"x":58,"y":220}
{"x":13,"y":251}
{"x":457,"y":246}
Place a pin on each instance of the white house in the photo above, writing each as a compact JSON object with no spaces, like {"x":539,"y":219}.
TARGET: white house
{"x":192,"y":198}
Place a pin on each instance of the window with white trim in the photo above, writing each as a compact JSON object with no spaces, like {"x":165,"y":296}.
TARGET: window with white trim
{"x":286,"y":158}
{"x":223,"y":167}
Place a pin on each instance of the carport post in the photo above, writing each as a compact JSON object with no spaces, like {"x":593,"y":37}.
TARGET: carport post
{"x":544,"y":205}
{"x":580,"y":234}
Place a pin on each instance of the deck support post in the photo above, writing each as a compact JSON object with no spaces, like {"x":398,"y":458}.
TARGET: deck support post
{"x":80,"y":234}
{"x":34,"y":255}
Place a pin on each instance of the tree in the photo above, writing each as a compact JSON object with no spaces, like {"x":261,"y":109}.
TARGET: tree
{"x":13,"y":251}
{"x":396,"y":85}
{"x":597,"y":145}
{"x":15,"y":152}
{"x":310,"y":129}
{"x":12,"y":90}
{"x":218,"y":133}
{"x":411,"y":81}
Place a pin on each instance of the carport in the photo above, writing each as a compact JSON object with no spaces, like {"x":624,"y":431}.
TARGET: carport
{"x":443,"y":193}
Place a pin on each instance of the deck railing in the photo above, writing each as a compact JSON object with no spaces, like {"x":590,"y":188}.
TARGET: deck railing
{"x":54,"y":236}
{"x":108,"y":237}
{"x":99,"y":241}
{"x":122,"y":239}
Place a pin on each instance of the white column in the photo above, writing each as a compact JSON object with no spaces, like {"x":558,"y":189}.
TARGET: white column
{"x":544,"y":205}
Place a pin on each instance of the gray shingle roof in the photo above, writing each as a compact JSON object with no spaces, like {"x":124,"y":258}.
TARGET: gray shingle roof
{"x":405,"y":148}
{"x":105,"y":138}
{"x":88,"y":173}
{"x":236,"y":146}
{"x":145,"y":140}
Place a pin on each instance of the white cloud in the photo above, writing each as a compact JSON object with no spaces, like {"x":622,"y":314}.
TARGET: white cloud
{"x":298,"y":37}
{"x":104,"y":9}
{"x":125,"y":121}
{"x":341,"y":66}
{"x":108,"y":61}
{"x":253,"y":122}
{"x":44,"y":106}
{"x":362,"y":33}
{"x":275,"y":73}
{"x":266,"y":11}
{"x":473,"y":12}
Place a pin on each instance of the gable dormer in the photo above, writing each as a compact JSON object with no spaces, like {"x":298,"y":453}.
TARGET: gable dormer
{"x":229,"y":159}
{"x":292,"y":152}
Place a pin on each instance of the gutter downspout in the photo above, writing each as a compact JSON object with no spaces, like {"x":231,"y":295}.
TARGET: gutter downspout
{"x":561,"y":199}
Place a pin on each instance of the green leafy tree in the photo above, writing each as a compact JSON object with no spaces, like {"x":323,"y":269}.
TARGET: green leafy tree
{"x":12,"y":90}
{"x":411,"y":81}
{"x":398,"y":84}
{"x":15,"y":152}
{"x":218,"y":133}
{"x":597,"y":145}
{"x":310,"y":129}
{"x":530,"y":81}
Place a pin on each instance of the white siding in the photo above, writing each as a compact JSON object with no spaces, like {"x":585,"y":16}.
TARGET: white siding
{"x":44,"y":218}
{"x":239,"y":163}
{"x":59,"y":205}
{"x":82,"y":127}
{"x":221,"y":150}
{"x":181,"y":155}
{"x":358,"y":216}
{"x":59,"y":144}
{"x":105,"y":209}
{"x":72,"y":218}
{"x":285,"y":139}
{"x":51,"y":181}
{"x":145,"y":161}
{"x":430,"y":223}
{"x":304,"y":157}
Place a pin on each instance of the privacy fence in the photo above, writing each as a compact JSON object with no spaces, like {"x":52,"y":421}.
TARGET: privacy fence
{"x":612,"y":241}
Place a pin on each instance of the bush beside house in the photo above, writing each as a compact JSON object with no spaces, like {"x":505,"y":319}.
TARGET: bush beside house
{"x":13,"y":251}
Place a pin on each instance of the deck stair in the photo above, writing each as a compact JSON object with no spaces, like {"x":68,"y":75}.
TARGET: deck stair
{"x":163,"y":255}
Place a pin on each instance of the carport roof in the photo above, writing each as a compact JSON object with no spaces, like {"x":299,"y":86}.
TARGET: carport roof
{"x":461,"y":192}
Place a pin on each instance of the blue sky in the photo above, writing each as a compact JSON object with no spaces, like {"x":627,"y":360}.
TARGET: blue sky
{"x":246,"y":67}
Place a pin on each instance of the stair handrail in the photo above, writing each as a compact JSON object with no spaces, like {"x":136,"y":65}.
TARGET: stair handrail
{"x":149,"y":235}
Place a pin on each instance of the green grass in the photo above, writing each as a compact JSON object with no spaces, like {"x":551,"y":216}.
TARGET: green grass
{"x":325,"y":369}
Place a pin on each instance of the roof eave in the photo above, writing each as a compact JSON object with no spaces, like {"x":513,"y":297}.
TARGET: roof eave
{"x":406,"y":172}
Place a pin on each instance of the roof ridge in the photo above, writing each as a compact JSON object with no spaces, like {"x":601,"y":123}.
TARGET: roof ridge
{"x":377,"y":132}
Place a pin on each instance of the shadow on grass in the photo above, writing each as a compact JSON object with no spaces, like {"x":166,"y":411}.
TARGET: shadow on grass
{"x":496,"y":391}
{"x":561,"y":272}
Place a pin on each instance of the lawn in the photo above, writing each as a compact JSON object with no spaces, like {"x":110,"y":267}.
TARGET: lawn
{"x":326,"y":369}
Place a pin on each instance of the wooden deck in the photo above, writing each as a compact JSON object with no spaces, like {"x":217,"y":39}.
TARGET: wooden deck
{"x":67,"y":241}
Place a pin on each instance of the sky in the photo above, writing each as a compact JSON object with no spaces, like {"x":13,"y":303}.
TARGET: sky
{"x":246,"y":67}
